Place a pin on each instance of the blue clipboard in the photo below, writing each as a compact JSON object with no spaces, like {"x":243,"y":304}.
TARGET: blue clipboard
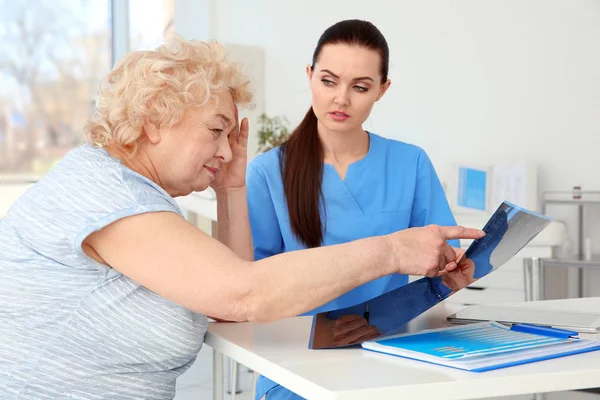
{"x":484,"y":346}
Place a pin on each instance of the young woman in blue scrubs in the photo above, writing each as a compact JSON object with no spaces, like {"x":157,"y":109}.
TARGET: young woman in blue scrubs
{"x":332,"y":181}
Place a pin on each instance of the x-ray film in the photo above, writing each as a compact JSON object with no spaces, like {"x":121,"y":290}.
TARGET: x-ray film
{"x":509,"y":230}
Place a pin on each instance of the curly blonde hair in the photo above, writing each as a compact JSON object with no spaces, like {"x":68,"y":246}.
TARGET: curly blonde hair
{"x":160,"y":85}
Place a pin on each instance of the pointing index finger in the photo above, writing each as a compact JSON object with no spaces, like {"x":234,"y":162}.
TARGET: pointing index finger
{"x":460,"y":232}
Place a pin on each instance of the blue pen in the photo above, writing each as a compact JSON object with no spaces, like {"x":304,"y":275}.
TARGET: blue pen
{"x":544,"y":331}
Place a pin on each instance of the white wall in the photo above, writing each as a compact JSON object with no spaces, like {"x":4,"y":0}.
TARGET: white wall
{"x":197,"y":19}
{"x":487,"y":81}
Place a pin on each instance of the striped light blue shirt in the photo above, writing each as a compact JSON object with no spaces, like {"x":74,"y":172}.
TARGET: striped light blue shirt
{"x":70,"y":327}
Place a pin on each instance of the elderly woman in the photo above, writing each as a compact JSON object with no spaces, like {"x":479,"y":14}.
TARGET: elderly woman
{"x":105,"y":286}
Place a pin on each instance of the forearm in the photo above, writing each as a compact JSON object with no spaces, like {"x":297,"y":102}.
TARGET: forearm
{"x":293,"y":283}
{"x":233,"y":226}
{"x":174,"y":259}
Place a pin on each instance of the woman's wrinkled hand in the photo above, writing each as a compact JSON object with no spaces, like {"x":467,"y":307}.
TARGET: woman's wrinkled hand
{"x":425,"y":251}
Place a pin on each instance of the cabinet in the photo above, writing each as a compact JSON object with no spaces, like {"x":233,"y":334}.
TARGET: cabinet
{"x":581,"y":261}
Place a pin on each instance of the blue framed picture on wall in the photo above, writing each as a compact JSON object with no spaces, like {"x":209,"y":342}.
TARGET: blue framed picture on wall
{"x":472,"y":188}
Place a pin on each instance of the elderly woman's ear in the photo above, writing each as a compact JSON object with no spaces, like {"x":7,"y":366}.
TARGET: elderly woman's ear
{"x":151,"y":131}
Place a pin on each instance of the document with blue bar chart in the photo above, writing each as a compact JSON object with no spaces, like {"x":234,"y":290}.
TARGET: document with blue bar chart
{"x":508,"y":230}
{"x":484,"y":346}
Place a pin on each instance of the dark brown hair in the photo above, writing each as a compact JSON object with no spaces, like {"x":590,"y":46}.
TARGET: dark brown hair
{"x":301,"y":156}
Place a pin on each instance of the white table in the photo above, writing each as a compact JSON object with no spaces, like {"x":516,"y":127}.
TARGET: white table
{"x":279,"y":350}
{"x":201,"y":203}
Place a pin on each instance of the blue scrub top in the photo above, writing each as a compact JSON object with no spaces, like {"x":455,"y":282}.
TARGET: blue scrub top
{"x":393,"y":187}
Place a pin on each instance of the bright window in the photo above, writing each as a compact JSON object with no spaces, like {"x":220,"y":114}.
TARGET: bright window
{"x":53,"y":56}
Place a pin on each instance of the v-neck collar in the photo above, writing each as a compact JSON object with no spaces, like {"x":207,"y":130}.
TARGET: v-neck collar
{"x":355,"y":163}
